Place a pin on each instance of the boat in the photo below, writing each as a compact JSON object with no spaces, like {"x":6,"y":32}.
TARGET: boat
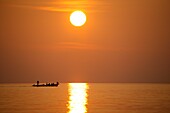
{"x":46,"y":85}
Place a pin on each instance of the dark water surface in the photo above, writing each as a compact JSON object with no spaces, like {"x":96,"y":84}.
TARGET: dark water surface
{"x":85,"y":98}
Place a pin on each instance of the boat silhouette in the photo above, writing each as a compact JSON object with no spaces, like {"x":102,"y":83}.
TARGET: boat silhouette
{"x":46,"y":85}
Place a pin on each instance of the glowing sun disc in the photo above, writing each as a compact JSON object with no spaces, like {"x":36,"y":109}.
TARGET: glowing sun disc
{"x":78,"y":18}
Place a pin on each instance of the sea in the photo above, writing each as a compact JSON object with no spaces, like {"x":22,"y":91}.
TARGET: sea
{"x":86,"y":98}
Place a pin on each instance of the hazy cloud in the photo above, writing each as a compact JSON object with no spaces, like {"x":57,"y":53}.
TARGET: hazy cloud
{"x":61,"y":6}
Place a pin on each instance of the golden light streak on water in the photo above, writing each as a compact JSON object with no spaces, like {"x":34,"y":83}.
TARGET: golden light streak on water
{"x":77,"y":102}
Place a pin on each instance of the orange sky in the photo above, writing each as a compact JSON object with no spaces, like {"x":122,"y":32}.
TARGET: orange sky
{"x":122,"y":41}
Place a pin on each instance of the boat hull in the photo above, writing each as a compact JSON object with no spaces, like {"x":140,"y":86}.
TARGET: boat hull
{"x":45,"y":85}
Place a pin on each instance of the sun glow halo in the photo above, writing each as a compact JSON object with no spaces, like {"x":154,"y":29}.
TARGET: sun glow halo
{"x":78,"y":18}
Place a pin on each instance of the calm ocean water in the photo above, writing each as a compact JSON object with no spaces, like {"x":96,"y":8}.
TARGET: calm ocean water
{"x":85,"y":98}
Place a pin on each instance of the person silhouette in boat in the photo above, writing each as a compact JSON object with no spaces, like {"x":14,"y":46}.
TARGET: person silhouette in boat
{"x":52,"y":84}
{"x":38,"y":83}
{"x":57,"y":83}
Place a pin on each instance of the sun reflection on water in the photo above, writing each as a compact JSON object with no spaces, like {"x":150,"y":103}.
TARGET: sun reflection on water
{"x":77,"y":102}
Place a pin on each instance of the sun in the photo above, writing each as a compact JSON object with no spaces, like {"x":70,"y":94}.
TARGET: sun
{"x":78,"y":18}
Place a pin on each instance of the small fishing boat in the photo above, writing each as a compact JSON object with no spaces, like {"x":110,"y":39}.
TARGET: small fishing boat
{"x":46,"y":85}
